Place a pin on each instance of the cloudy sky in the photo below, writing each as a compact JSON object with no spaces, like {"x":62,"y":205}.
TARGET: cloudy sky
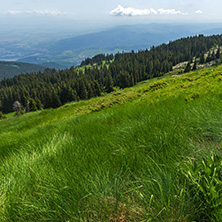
{"x":121,"y":11}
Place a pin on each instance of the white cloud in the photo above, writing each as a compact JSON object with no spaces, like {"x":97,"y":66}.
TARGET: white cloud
{"x":121,"y":11}
{"x":36,"y":12}
{"x":199,"y":12}
{"x":13,"y":12}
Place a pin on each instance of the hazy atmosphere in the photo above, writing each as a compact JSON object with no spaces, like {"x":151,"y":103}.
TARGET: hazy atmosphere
{"x":31,"y":31}
{"x":111,"y":12}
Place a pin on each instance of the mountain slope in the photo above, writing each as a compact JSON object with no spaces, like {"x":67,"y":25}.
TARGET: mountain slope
{"x":128,"y":37}
{"x":100,"y":74}
{"x":10,"y":69}
{"x":124,"y":37}
{"x":120,"y":157}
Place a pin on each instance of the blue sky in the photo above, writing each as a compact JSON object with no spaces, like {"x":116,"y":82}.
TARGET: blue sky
{"x":103,"y":8}
{"x":114,"y":11}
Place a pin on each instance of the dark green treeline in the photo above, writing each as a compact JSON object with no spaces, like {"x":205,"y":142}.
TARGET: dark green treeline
{"x":51,"y":88}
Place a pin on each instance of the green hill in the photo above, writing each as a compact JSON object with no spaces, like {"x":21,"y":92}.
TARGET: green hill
{"x":147,"y":153}
{"x":99,"y":75}
{"x":10,"y":69}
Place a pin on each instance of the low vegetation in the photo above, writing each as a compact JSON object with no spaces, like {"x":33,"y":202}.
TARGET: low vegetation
{"x":2,"y":116}
{"x":147,"y":153}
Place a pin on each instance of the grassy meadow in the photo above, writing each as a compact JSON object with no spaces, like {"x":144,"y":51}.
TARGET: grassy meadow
{"x":147,"y":153}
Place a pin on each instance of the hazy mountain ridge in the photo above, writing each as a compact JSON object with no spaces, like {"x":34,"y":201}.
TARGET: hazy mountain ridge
{"x":73,"y":50}
{"x":132,"y":37}
{"x":10,"y":69}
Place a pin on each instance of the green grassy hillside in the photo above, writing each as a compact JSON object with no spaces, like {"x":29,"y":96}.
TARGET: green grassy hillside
{"x":147,"y":153}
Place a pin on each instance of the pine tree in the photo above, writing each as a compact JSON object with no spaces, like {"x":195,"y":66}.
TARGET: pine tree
{"x":188,"y":68}
{"x":83,"y":94}
{"x":202,"y":59}
{"x":56,"y":102}
{"x":132,"y":83}
{"x":209,"y":58}
{"x":109,"y":84}
{"x":124,"y":79}
{"x":218,"y":53}
{"x":90,"y":91}
{"x":32,"y":105}
{"x":97,"y":89}
{"x":195,"y":65}
{"x":213,"y":56}
{"x":38,"y":103}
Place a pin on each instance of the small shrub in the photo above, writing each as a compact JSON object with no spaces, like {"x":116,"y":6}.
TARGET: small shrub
{"x":32,"y":105}
{"x":2,"y":116}
{"x":20,"y":112}
{"x":155,"y":86}
{"x":191,"y":97}
{"x":219,"y":78}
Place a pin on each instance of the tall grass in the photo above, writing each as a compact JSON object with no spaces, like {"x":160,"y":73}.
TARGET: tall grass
{"x":144,"y":160}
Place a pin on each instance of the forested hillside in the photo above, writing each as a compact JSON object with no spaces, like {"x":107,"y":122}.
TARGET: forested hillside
{"x":101,"y":73}
{"x":10,"y":69}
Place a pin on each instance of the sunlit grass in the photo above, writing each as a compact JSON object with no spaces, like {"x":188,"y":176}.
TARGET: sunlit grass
{"x":121,"y":157}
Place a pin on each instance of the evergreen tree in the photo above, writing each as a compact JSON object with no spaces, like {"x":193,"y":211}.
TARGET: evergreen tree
{"x":56,"y":102}
{"x":38,"y":103}
{"x":124,"y":79}
{"x":188,"y":67}
{"x":209,"y":58}
{"x":83,"y":94}
{"x":32,"y":105}
{"x":109,"y":84}
{"x":90,"y":91}
{"x":218,"y":53}
{"x":97,"y":89}
{"x":202,"y":59}
{"x":213,"y":56}
{"x":132,"y":83}
{"x":195,"y":65}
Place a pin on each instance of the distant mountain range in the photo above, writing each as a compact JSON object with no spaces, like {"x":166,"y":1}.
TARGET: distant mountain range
{"x":123,"y":37}
{"x":131,"y":37}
